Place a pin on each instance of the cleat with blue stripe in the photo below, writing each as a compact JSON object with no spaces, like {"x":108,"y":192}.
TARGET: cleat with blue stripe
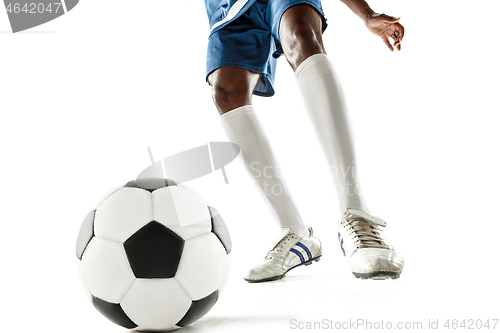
{"x":290,"y":252}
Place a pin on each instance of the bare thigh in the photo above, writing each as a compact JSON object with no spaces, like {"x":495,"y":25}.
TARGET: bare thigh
{"x":301,"y":34}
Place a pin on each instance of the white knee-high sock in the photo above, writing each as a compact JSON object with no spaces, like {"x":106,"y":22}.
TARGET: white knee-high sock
{"x":242,"y":127}
{"x":325,"y":103}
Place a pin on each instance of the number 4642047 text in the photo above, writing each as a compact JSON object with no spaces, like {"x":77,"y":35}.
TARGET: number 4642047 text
{"x":33,"y":8}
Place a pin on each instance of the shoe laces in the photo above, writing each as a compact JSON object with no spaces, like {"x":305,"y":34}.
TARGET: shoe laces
{"x":365,"y":230}
{"x":276,"y":250}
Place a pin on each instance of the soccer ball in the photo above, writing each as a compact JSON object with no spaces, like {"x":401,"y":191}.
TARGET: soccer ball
{"x":153,"y":256}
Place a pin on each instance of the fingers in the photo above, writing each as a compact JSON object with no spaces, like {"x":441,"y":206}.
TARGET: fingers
{"x":390,"y":19}
{"x":401,"y":32}
{"x":388,"y":43}
{"x":397,"y":37}
{"x":385,"y":38}
{"x":397,"y":45}
{"x":388,"y":27}
{"x":397,"y":40}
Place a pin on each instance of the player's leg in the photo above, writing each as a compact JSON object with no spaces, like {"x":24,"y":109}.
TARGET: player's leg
{"x":232,"y":89}
{"x":301,"y":38}
{"x":240,"y":63}
{"x":360,"y":236}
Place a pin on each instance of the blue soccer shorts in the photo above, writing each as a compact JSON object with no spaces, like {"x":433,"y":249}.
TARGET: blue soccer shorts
{"x":249,"y":38}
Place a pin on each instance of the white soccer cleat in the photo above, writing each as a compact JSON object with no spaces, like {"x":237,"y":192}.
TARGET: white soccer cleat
{"x":369,"y":254}
{"x":291,"y":251}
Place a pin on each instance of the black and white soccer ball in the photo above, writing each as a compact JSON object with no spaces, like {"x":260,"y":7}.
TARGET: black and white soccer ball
{"x":153,"y":256}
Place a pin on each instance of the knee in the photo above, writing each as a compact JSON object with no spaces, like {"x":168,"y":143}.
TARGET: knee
{"x":301,"y":36}
{"x":230,"y":94}
{"x":302,"y":42}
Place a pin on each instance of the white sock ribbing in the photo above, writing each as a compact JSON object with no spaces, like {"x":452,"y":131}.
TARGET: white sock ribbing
{"x":242,"y":127}
{"x":325,"y":103}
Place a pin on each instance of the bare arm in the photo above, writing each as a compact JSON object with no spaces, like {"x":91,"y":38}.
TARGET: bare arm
{"x":382,"y":25}
{"x":360,"y":8}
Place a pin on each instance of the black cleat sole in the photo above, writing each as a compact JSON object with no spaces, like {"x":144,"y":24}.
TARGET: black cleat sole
{"x":377,"y":275}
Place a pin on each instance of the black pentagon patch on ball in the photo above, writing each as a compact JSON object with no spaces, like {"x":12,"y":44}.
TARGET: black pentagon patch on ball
{"x":150,"y":184}
{"x":113,"y":312}
{"x":154,"y":251}
{"x":85,"y":235}
{"x":219,"y":228}
{"x":198,"y":309}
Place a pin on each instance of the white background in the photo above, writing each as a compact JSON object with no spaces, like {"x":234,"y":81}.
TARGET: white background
{"x":82,"y":97}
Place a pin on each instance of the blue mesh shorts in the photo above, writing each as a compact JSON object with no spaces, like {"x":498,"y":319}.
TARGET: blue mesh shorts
{"x":244,"y":33}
